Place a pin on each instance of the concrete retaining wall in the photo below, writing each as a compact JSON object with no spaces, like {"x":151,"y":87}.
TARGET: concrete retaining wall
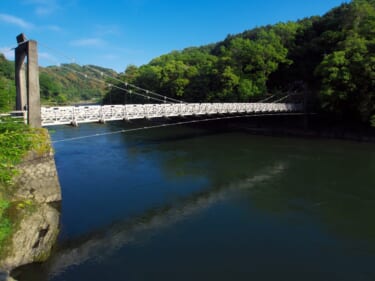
{"x":38,"y":179}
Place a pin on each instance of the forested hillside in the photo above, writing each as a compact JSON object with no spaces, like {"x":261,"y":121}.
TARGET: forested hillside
{"x":330,"y":59}
{"x":59,"y":85}
{"x":7,"y":86}
{"x":71,"y":83}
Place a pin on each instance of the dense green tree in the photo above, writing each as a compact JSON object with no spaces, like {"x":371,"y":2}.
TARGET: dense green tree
{"x":348,"y":73}
{"x":4,"y":94}
{"x":130,"y":74}
{"x":149,"y":77}
{"x":49,"y":89}
{"x":229,"y":82}
{"x":257,"y":59}
{"x":7,"y":86}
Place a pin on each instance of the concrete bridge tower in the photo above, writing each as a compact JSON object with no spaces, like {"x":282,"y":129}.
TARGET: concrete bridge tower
{"x":27,"y":80}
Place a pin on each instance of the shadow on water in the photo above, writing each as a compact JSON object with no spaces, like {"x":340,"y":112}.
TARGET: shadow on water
{"x":112,"y":238}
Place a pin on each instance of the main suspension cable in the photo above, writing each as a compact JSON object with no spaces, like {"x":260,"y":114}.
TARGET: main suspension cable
{"x":102,"y":73}
{"x":166,"y":98}
{"x":109,"y":84}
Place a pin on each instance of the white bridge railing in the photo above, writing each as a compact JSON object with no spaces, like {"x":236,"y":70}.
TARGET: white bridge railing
{"x":101,"y":113}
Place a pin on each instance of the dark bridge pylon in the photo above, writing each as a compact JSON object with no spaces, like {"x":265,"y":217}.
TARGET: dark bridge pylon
{"x":27,"y":80}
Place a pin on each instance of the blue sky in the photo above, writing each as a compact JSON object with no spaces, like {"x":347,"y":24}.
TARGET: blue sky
{"x":117,"y":33}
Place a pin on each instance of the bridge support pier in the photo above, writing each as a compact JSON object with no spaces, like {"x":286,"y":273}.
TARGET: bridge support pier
{"x":27,"y":80}
{"x":74,"y":123}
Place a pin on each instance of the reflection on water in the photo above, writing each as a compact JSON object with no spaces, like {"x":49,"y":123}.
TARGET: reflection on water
{"x":117,"y":235}
{"x":207,"y":204}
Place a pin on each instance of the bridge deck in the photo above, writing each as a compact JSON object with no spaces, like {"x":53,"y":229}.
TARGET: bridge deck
{"x":101,"y":113}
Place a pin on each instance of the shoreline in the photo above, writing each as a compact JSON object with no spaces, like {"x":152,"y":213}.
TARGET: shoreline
{"x":315,"y":127}
{"x":312,"y":134}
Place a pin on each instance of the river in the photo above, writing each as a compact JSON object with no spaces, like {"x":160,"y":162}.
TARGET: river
{"x":210,"y":203}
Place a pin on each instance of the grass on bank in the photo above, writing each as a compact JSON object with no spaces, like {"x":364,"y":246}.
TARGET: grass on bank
{"x":5,"y":224}
{"x":16,"y":140}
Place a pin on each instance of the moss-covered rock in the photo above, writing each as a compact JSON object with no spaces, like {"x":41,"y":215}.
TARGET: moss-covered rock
{"x":33,"y":238}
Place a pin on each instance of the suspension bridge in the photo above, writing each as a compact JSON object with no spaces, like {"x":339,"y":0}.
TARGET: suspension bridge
{"x":28,"y":100}
{"x":102,"y":113}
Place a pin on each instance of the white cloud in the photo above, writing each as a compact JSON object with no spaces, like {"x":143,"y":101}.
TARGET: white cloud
{"x":110,"y":57}
{"x":8,"y":52}
{"x":15,"y":21}
{"x":44,"y":7}
{"x":53,"y":28}
{"x":103,"y":30}
{"x":88,"y":42}
{"x":44,"y":11}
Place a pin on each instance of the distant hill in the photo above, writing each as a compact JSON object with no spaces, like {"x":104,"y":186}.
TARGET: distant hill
{"x":59,"y":85}
{"x":70,"y":83}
